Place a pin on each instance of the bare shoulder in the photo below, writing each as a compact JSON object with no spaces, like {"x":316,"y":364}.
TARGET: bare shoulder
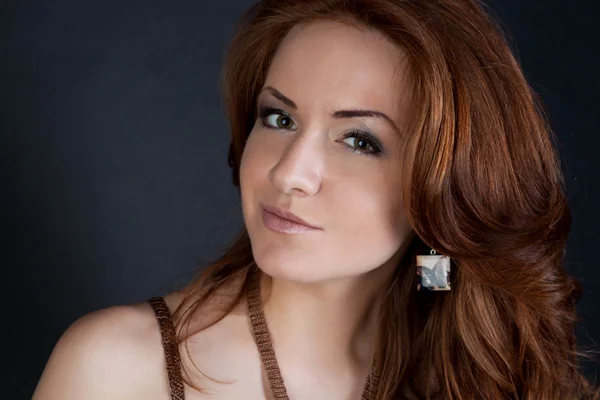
{"x":112,"y":353}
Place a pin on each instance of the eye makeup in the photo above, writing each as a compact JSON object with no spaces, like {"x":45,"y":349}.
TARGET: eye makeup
{"x":265,"y":112}
{"x":376,"y":148}
{"x":369,"y":139}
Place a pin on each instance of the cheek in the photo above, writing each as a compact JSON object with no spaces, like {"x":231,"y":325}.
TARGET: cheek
{"x":260,"y":145}
{"x":251,"y":164}
{"x":370,"y":224}
{"x":254,"y":175}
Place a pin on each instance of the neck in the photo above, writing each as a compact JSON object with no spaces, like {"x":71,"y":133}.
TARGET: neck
{"x":327,"y":323}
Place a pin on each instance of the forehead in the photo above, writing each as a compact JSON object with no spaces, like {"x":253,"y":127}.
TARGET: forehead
{"x":330,"y":65}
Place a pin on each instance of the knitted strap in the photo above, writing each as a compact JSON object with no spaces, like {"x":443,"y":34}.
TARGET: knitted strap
{"x":372,"y":384}
{"x":267,"y":353}
{"x":167,"y":332}
{"x":263,"y":340}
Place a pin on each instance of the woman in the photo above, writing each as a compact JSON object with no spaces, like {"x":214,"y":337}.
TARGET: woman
{"x":392,"y":130}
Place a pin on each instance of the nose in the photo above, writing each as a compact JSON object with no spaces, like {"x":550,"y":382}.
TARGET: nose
{"x":300,"y":165}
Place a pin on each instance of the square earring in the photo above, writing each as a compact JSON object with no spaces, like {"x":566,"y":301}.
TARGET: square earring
{"x":433,"y":272}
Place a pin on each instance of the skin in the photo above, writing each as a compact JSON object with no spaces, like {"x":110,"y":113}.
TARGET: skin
{"x":326,"y":284}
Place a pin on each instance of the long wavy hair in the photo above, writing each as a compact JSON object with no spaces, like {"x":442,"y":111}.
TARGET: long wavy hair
{"x":482,"y":184}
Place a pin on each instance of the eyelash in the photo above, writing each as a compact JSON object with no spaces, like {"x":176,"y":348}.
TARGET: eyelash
{"x":265,"y":112}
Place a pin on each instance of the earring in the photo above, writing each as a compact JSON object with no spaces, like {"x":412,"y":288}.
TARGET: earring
{"x":433,"y":272}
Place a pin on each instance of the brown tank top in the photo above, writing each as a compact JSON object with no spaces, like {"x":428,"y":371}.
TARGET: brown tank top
{"x":171,"y":349}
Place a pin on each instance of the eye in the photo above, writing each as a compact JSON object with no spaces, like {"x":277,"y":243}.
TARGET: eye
{"x":275,"y":118}
{"x":363,"y":143}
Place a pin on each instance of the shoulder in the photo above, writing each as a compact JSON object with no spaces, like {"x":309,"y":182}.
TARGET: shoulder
{"x":112,"y":353}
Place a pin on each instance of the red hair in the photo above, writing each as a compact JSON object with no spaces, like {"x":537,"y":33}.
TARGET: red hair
{"x":482,"y":184}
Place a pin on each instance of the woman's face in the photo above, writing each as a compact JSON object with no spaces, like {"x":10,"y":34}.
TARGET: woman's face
{"x":312,"y":154}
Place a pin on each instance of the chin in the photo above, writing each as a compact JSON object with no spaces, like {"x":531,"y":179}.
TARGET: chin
{"x":293,"y":259}
{"x":290,"y":270}
{"x":307,"y":260}
{"x":295,"y":269}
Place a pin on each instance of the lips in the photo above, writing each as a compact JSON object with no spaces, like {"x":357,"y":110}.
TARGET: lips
{"x":287,"y":216}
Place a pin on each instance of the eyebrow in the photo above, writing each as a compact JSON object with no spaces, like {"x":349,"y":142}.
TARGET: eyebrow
{"x":354,"y":113}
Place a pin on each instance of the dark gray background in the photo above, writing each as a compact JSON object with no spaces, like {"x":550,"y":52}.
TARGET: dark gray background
{"x":114,"y":183}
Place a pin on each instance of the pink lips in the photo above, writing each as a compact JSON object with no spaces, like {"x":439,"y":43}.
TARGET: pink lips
{"x":283,"y":221}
